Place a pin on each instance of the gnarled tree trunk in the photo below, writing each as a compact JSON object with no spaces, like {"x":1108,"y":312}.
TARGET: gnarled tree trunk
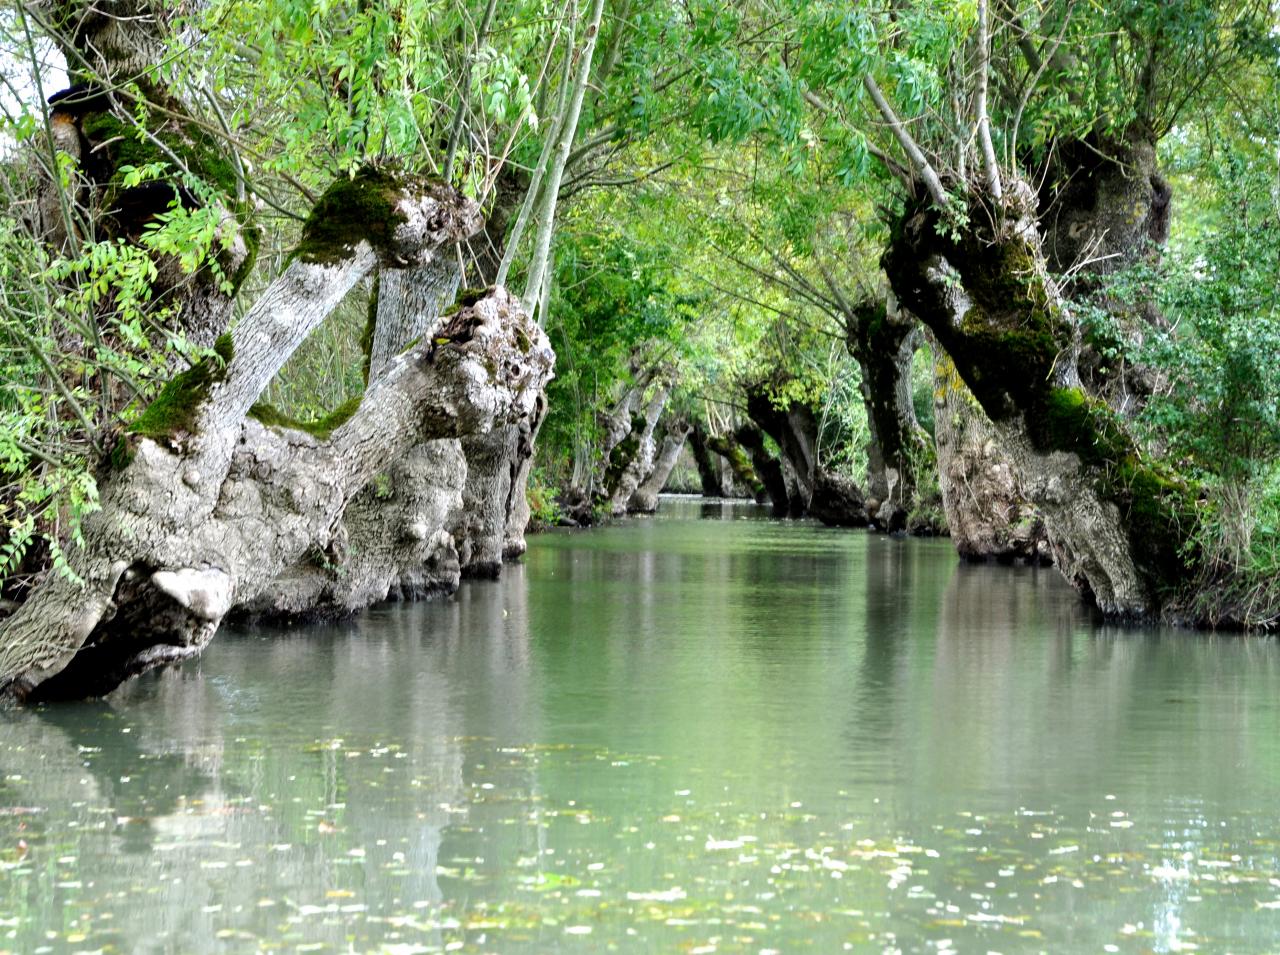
{"x":745,"y":479}
{"x":767,"y":468}
{"x":394,"y":539}
{"x":210,"y":505}
{"x":811,"y":488}
{"x":708,"y":467}
{"x":645,"y":498}
{"x":632,"y":458}
{"x":987,"y":517}
{"x":1116,"y":521}
{"x":518,"y":512}
{"x":882,"y":339}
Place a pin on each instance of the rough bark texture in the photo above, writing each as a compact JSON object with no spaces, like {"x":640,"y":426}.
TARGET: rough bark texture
{"x":987,"y":517}
{"x":1116,"y":521}
{"x":837,"y":501}
{"x":117,"y":115}
{"x":645,"y":498}
{"x":407,"y":305}
{"x":1104,"y":206}
{"x":767,"y":468}
{"x":209,"y":506}
{"x":518,"y":511}
{"x":745,"y":479}
{"x":481,"y":532}
{"x":394,"y":540}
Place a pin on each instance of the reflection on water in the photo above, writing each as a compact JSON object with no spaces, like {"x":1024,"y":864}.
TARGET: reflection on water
{"x":730,"y":734}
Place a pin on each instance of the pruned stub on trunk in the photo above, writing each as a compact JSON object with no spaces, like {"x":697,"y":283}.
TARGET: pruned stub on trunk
{"x":208,"y":505}
{"x":1117,"y":521}
{"x":1103,"y":207}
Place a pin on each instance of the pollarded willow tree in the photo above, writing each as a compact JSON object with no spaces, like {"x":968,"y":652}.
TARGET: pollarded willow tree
{"x":1018,"y":142}
{"x":207,"y":495}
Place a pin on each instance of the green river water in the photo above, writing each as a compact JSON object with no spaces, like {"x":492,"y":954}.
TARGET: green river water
{"x":704,"y":732}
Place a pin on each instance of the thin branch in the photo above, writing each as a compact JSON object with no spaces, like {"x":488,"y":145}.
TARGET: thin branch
{"x":984,"y":120}
{"x":908,"y":144}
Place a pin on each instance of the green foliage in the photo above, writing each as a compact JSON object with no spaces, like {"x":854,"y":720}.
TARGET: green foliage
{"x":618,"y":309}
{"x":544,"y":511}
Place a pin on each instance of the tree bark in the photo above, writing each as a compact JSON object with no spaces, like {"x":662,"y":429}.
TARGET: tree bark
{"x":1103,"y":207}
{"x":210,"y":505}
{"x":518,"y":511}
{"x":987,"y":516}
{"x":1116,"y":521}
{"x":708,"y":469}
{"x":795,"y":431}
{"x":486,"y":495}
{"x":882,"y":339}
{"x":811,"y":488}
{"x":767,"y":468}
{"x":394,"y":540}
{"x":645,"y":498}
{"x":632,"y":458}
{"x":745,"y":479}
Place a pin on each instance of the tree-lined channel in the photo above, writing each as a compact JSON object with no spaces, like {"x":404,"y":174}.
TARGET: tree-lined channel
{"x":708,"y":731}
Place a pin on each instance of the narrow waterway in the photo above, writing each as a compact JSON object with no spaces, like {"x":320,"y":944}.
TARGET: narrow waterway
{"x":703,"y":732}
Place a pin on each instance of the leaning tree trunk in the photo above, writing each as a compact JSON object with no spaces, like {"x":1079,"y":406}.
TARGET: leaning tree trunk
{"x":739,"y":463}
{"x":394,"y":539}
{"x":987,"y":517}
{"x":118,"y":115}
{"x":518,"y":511}
{"x":882,"y":339}
{"x":708,"y":468}
{"x":812,"y":489}
{"x":645,"y":498}
{"x":1117,"y":522}
{"x":210,"y":505}
{"x":632,"y":457}
{"x":767,"y":468}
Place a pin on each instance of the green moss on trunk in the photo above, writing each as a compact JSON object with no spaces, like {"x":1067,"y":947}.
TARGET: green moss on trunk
{"x":175,"y":410}
{"x":319,"y":428}
{"x":363,"y":208}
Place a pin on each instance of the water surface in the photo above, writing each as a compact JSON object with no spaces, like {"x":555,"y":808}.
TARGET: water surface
{"x":704,"y":732}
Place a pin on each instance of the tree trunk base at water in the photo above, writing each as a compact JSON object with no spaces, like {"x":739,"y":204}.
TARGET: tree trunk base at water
{"x":987,"y":516}
{"x":394,"y":543}
{"x":837,"y":501}
{"x":518,"y":513}
{"x":645,"y":498}
{"x":1117,"y":521}
{"x":704,"y":459}
{"x":210,"y":506}
{"x":481,"y":533}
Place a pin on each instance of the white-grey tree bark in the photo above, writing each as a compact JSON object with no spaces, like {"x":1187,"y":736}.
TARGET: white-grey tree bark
{"x":645,"y":498}
{"x":205,"y":516}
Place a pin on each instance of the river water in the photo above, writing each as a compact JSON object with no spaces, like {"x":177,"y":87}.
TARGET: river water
{"x":702,"y":732}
